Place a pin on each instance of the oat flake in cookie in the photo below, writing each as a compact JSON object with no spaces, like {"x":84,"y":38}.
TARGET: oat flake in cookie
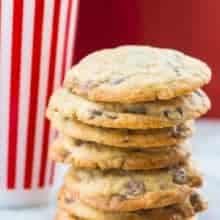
{"x":130,"y":74}
{"x":118,"y":190}
{"x":146,"y":115}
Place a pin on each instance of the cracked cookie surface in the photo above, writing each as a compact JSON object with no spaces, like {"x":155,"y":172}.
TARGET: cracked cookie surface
{"x":157,"y":114}
{"x":118,"y":190}
{"x":130,"y":74}
{"x":120,"y":137}
{"x":91,"y":155}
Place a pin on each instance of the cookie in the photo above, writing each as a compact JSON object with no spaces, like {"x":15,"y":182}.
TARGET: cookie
{"x":120,"y":137}
{"x":118,"y":190}
{"x":188,"y":208}
{"x":91,"y":155}
{"x":64,"y":215}
{"x":130,"y":74}
{"x":158,"y":114}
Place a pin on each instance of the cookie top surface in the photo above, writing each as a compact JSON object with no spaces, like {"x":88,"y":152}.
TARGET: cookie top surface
{"x":187,"y":209}
{"x":120,"y":137}
{"x":91,"y":155}
{"x":129,"y":74}
{"x":117,"y":190}
{"x":157,"y":114}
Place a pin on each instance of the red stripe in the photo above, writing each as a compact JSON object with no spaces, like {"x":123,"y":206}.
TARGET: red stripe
{"x":53,"y":50}
{"x":35,"y":74}
{"x":14,"y":92}
{"x":66,"y":38}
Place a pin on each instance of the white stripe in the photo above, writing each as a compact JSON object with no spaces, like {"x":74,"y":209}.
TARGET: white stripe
{"x":42,"y":91}
{"x":72,"y":34}
{"x":26,"y":53}
{"x":5,"y":72}
{"x":58,"y":68}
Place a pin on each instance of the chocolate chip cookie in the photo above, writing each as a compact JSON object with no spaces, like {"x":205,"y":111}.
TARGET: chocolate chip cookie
{"x":119,"y":190}
{"x":189,"y":208}
{"x":130,"y":74}
{"x":146,"y":115}
{"x":91,"y":155}
{"x":64,"y":215}
{"x":120,"y":137}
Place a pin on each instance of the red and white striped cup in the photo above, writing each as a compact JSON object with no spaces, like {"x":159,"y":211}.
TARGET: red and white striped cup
{"x":36,"y":48}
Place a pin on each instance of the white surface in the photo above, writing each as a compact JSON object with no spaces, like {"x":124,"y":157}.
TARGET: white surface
{"x":45,"y":213}
{"x":206,"y":151}
{"x":32,"y":197}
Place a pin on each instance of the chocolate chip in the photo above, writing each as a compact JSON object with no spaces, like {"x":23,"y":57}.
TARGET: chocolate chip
{"x":65,"y":118}
{"x":135,"y":150}
{"x":178,"y":132}
{"x":197,"y":203}
{"x":167,"y":113}
{"x":179,"y":176}
{"x":117,"y":81}
{"x":176,"y":66}
{"x":137,"y":109}
{"x":94,"y":113}
{"x":69,"y":200}
{"x":78,"y":142}
{"x":178,"y":109}
{"x":177,"y":71}
{"x":174,"y":114}
{"x":134,"y":188}
{"x":199,"y":93}
{"x":194,"y":198}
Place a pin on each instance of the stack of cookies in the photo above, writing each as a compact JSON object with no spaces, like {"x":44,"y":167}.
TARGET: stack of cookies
{"x":125,"y":116}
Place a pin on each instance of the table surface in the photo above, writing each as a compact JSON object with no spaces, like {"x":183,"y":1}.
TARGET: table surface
{"x":206,"y":150}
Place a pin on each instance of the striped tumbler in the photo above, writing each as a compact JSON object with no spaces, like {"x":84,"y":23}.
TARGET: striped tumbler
{"x":36,"y":48}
